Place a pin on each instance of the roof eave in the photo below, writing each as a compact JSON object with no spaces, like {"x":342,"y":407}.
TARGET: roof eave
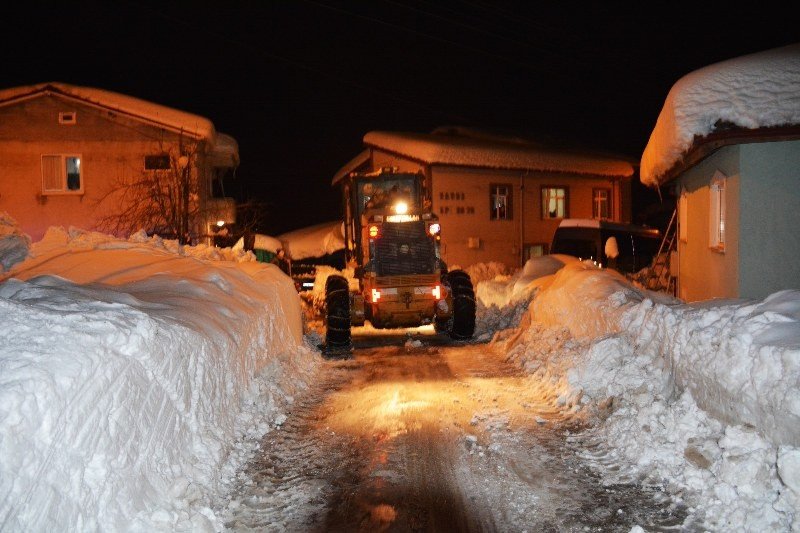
{"x":704,"y":146}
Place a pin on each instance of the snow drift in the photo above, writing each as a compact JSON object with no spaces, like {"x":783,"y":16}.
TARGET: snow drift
{"x":128,"y":369}
{"x":704,"y":395}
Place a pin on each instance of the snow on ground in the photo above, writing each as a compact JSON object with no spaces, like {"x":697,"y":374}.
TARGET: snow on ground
{"x":135,"y":377}
{"x":703,"y":398}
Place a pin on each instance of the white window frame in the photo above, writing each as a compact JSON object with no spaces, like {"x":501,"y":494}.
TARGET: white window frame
{"x":683,"y":216}
{"x":716,"y":212}
{"x":598,"y":201}
{"x":560,"y":200}
{"x":63,"y":175}
{"x":500,"y":198}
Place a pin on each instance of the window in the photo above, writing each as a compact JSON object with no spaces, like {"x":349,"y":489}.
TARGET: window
{"x":61,"y":174}
{"x":716,"y":212}
{"x":156,"y":162}
{"x":500,"y":198}
{"x":601,"y":203}
{"x":554,"y":202}
{"x":683,"y":216}
{"x":67,"y":117}
{"x":533,"y":250}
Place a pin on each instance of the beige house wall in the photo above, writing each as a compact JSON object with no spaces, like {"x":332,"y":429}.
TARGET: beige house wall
{"x":461,"y":199}
{"x":705,"y":273}
{"x":111,"y":148}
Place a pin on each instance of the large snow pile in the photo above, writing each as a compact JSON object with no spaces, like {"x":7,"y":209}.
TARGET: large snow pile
{"x":704,"y":395}
{"x":127,"y":369}
{"x":753,"y":91}
{"x":314,"y":241}
{"x":500,"y":290}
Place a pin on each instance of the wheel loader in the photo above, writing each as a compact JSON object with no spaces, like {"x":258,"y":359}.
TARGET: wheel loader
{"x":392,"y":242}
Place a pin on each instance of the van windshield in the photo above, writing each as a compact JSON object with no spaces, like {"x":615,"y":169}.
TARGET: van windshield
{"x":583,"y":248}
{"x":636,"y":249}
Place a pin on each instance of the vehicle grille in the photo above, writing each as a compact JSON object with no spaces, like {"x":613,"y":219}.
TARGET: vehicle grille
{"x":404,"y":281}
{"x":403,"y":249}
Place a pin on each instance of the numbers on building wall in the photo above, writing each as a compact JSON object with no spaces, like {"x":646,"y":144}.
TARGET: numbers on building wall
{"x":458,"y":209}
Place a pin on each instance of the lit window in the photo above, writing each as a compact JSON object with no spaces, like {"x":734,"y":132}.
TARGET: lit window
{"x":61,"y":174}
{"x":534,"y":250}
{"x":157,"y":162}
{"x":683,"y":216}
{"x":500,"y":206}
{"x":554,"y":202}
{"x":601,"y":203}
{"x":717,"y":212}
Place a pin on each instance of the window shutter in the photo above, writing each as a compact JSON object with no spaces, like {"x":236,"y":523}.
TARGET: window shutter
{"x":51,"y":173}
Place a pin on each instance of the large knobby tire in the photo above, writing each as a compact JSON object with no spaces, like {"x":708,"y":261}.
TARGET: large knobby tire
{"x":337,"y":315}
{"x":463,"y":321}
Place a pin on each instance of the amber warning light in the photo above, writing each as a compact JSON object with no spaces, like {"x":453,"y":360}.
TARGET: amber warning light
{"x":374,"y":231}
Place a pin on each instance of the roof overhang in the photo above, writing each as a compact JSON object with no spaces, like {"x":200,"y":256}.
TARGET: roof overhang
{"x":702,"y":147}
{"x":354,"y":164}
{"x":151,"y":113}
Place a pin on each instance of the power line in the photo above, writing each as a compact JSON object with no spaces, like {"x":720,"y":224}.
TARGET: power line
{"x":297,"y":64}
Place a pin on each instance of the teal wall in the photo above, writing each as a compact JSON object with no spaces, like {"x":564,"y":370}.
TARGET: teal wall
{"x":769,"y":258}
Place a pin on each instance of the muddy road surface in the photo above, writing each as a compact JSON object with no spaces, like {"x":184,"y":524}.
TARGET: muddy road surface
{"x":415,"y":434}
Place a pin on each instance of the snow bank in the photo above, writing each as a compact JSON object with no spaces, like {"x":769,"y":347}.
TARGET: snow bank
{"x":705,"y":395}
{"x":127,"y":370}
{"x":314,"y":241}
{"x":501,"y":290}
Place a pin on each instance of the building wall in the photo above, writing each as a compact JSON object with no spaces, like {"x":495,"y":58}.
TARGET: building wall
{"x":111,"y":148}
{"x":705,"y":273}
{"x":769,"y":251}
{"x":461,"y":198}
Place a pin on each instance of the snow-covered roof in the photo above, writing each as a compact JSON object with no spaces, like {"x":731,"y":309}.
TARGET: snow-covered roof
{"x":472,"y":151}
{"x":315,"y":241}
{"x":359,"y":160}
{"x":165,"y":116}
{"x":753,"y":92}
{"x":225,"y":151}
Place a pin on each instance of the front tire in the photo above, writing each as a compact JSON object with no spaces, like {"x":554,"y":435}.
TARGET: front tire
{"x":463,"y":321}
{"x":337,"y":315}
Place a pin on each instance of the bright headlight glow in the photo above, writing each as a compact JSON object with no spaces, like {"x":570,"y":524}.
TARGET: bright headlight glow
{"x":434,"y":228}
{"x":401,"y":208}
{"x":220,"y":223}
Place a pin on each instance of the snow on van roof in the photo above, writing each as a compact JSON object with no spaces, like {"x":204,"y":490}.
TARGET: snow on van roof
{"x":596,"y":223}
{"x":167,"y":116}
{"x":754,"y":91}
{"x":472,"y":151}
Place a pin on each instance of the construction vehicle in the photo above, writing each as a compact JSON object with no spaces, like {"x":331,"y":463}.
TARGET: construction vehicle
{"x":392,"y":242}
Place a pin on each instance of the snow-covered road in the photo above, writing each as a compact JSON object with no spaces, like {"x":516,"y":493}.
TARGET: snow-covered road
{"x":419,"y":436}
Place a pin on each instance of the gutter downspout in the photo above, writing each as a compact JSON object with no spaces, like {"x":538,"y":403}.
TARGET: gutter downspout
{"x":522,"y":177}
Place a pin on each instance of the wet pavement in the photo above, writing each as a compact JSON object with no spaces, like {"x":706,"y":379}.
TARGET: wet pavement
{"x":417,"y":434}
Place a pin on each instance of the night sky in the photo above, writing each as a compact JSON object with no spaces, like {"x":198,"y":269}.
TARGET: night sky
{"x":299,"y":82}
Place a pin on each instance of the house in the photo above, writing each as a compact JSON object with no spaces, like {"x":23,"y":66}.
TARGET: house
{"x":500,"y":198}
{"x":78,"y":156}
{"x":727,"y":141}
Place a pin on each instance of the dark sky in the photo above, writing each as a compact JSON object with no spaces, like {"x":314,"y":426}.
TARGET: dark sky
{"x":299,"y":82}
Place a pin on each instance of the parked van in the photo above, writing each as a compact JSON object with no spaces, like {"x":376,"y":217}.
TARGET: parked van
{"x":626,"y":248}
